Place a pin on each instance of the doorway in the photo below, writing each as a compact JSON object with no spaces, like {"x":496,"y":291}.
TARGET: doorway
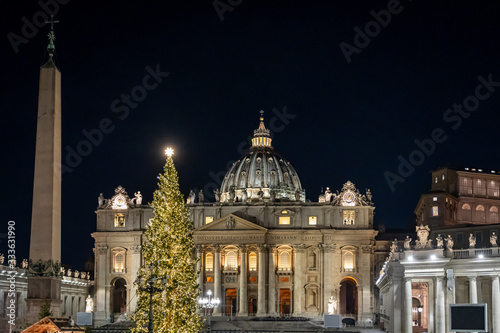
{"x":231,"y":296}
{"x":285,"y":298}
{"x":119,"y":296}
{"x":348,"y":296}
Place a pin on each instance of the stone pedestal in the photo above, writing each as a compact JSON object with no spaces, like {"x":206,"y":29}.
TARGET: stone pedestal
{"x":42,"y":290}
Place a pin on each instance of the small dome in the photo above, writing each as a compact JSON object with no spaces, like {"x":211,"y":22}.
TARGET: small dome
{"x":261,"y":174}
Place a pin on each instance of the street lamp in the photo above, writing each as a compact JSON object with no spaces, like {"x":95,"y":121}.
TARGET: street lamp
{"x":209,"y":303}
{"x":151,"y":289}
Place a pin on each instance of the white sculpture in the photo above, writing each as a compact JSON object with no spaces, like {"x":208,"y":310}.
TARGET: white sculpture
{"x":76,"y":274}
{"x":423,"y":235}
{"x":24,"y":264}
{"x":407,"y":243}
{"x":244,"y":195}
{"x":191,"y":197}
{"x":439,"y":241}
{"x":369,"y":195}
{"x":90,"y":304}
{"x":2,"y":259}
{"x":472,"y":241}
{"x":449,"y":243}
{"x":100,"y":200}
{"x":69,"y":272}
{"x":332,"y":305}
{"x":493,"y":239}
{"x":217,"y":195}
{"x":138,"y":198}
{"x":201,"y":196}
{"x":394,"y":245}
{"x":328,"y":195}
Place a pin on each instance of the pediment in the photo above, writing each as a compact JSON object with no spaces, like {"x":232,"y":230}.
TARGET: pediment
{"x":231,"y":222}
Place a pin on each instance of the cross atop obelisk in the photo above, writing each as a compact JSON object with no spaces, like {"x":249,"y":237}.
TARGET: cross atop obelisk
{"x":52,"y":37}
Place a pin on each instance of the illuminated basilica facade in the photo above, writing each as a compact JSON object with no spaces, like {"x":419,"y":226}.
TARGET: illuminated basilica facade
{"x":265,"y":250}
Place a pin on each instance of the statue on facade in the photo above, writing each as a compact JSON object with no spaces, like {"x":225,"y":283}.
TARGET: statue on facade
{"x":217,"y":195}
{"x":472,"y":241}
{"x":24,"y":264}
{"x":493,"y":239}
{"x":231,"y":194}
{"x":12,"y":263}
{"x":449,"y":243}
{"x":244,"y":195}
{"x":138,"y":198}
{"x":2,"y":259}
{"x":297,"y":195}
{"x":260,"y":194}
{"x":100,"y":201}
{"x":90,"y":304}
{"x":407,"y":245}
{"x":369,"y":195}
{"x":439,"y":241}
{"x":201,"y":196}
{"x":328,"y":195}
{"x":394,"y":245}
{"x":69,"y":273}
{"x":62,"y":271}
{"x":423,"y":236}
{"x":83,"y":275}
{"x":332,"y":305}
{"x":76,"y":274}
{"x":191,"y":197}
{"x":272,"y":195}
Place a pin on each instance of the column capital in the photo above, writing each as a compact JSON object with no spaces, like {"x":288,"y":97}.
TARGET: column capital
{"x":406,"y":279}
{"x":272,"y":248}
{"x":243,"y":248}
{"x":327,"y":248}
{"x":199,"y":248}
{"x":300,"y":248}
{"x":472,"y":278}
{"x":262,"y":248}
{"x":217,"y":248}
{"x":494,"y":277}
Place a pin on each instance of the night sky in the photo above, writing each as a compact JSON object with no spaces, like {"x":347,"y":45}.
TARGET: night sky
{"x":345,"y":120}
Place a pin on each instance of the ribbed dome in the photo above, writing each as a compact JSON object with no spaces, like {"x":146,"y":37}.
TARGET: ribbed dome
{"x":261,"y":174}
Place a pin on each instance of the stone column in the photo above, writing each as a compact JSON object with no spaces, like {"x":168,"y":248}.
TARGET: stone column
{"x":495,"y":308}
{"x":450,"y":298}
{"x":440,"y":317}
{"x":261,"y":282}
{"x":101,"y":253}
{"x":407,"y":317}
{"x":200,"y":271}
{"x":397,"y":302}
{"x":327,"y":250}
{"x":217,"y":279}
{"x":271,"y":306}
{"x":472,"y":290}
{"x":243,"y":308}
{"x":136,"y":265}
{"x":298,"y":284}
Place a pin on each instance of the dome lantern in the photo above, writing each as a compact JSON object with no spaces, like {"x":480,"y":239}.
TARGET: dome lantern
{"x":261,"y":136}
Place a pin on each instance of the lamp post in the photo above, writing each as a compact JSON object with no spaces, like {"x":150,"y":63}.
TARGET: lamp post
{"x":151,"y":289}
{"x":209,"y":303}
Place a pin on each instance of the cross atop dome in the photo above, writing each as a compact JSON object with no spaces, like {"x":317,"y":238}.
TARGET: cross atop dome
{"x":261,"y":136}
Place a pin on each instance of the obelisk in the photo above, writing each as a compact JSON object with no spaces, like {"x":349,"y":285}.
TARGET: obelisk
{"x":44,"y":282}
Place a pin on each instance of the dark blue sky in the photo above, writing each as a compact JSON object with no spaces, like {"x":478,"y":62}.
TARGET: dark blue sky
{"x":352,"y":120}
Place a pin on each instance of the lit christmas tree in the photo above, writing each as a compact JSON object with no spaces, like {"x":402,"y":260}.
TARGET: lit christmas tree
{"x":169,"y":273}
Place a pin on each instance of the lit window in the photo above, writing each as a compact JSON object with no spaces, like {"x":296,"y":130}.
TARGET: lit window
{"x":493,"y":215}
{"x":435,"y":210}
{"x":118,"y":260}
{"x":252,"y":279}
{"x":348,"y":261}
{"x":349,"y":216}
{"x":284,"y":262}
{"x":465,"y":213}
{"x":209,"y":219}
{"x":493,"y":189}
{"x":479,"y":187}
{"x":210,"y":279}
{"x":480,"y":208}
{"x":285,"y":279}
{"x":252,"y":261}
{"x":313,"y":220}
{"x":231,"y":260}
{"x":284,"y":212}
{"x":209,"y":262}
{"x":465,"y":186}
{"x":119,"y":220}
{"x":466,"y":207}
{"x":284,"y":220}
{"x":436,"y":180}
{"x":442,"y":177}
{"x":435,"y":199}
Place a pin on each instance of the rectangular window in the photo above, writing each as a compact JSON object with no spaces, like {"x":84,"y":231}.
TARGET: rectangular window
{"x":209,"y":219}
{"x":479,"y":236}
{"x":435,"y":199}
{"x":285,"y":279}
{"x":210,"y":279}
{"x":493,"y":189}
{"x":460,"y":238}
{"x":284,"y":220}
{"x":465,"y":186}
{"x":435,"y":211}
{"x":349,"y":216}
{"x":313,"y":220}
{"x":119,"y":220}
{"x":252,"y":279}
{"x":479,"y":187}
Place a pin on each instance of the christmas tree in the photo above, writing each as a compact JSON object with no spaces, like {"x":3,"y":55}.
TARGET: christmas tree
{"x":169,"y":266}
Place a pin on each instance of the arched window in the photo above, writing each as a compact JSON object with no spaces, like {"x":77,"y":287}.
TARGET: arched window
{"x":479,"y":214}
{"x":284,"y":260}
{"x":252,"y":261}
{"x":118,"y":260}
{"x":465,"y":213}
{"x":209,"y":262}
{"x":231,"y":260}
{"x":493,"y":215}
{"x":348,"y":261}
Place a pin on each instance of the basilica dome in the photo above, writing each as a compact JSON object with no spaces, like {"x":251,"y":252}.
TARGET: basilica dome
{"x":261,"y":174}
